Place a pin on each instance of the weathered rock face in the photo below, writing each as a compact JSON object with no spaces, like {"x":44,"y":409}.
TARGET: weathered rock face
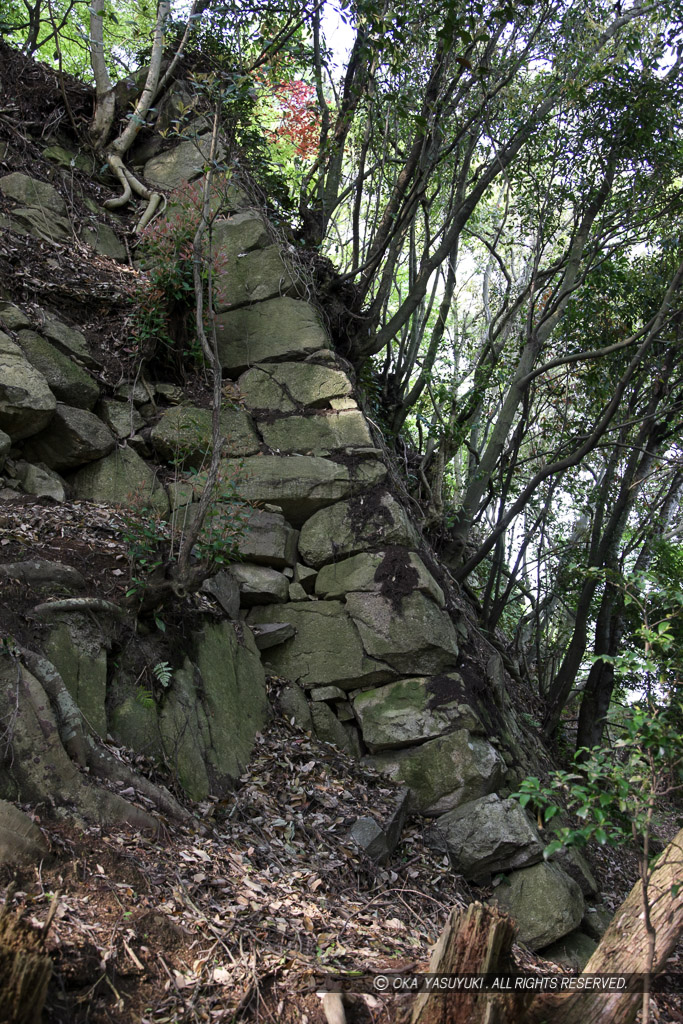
{"x":544,"y":902}
{"x":365,"y":573}
{"x":412,"y":636}
{"x":66,"y":380}
{"x":410,"y":711}
{"x":74,"y":436}
{"x":76,"y":650}
{"x":286,"y":387}
{"x":276,"y":329}
{"x":326,"y":649}
{"x":368,"y":522}
{"x":26,"y":402}
{"x":183,"y":435}
{"x":487,"y":835}
{"x":298,"y":485}
{"x":268,"y":540}
{"x":121,"y":478}
{"x":444,"y":773}
{"x":328,"y":431}
{"x":180,"y":164}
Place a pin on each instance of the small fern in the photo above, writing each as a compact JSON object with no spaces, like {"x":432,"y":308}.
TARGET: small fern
{"x":163,"y":673}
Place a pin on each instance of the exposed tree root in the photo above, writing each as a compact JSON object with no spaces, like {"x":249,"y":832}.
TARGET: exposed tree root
{"x":132,"y":185}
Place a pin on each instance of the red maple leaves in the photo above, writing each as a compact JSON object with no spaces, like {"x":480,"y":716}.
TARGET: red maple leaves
{"x":300,"y":124}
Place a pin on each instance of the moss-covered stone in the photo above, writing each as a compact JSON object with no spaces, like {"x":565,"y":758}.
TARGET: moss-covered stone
{"x":284,"y":387}
{"x":411,"y":711}
{"x":75,"y":649}
{"x":444,"y":773}
{"x":299,"y":485}
{"x":121,"y":478}
{"x":71,"y":384}
{"x":183,"y":435}
{"x":26,"y":402}
{"x":545,"y":903}
{"x":350,"y":527}
{"x":326,"y":431}
{"x":326,"y":648}
{"x":277,"y":329}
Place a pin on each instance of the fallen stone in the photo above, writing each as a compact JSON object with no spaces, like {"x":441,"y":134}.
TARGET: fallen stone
{"x":415,"y":637}
{"x":5,"y":445}
{"x":410,"y":711}
{"x":276,"y":329}
{"x":225,"y":589}
{"x":40,"y":480}
{"x":349,"y":527}
{"x":545,"y":903}
{"x":26,"y":402}
{"x":329,"y":729}
{"x":259,"y":584}
{"x":299,"y":485}
{"x":485,"y":836}
{"x":184,"y":434}
{"x":73,"y":437}
{"x":184,"y":162}
{"x":323,"y":431}
{"x":294,"y":706}
{"x":32,"y":192}
{"x":572,"y":952}
{"x":272,"y":634}
{"x":285,"y":387}
{"x":379,"y":842}
{"x":71,"y":384}
{"x":121,"y":478}
{"x":360,"y":574}
{"x":122,"y":418}
{"x":40,"y":572}
{"x":70,"y":341}
{"x":21,"y":841}
{"x":326,"y":648}
{"x":445,"y":772}
{"x":104,"y":240}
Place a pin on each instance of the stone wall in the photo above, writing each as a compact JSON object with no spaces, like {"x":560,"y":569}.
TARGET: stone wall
{"x":334,"y":587}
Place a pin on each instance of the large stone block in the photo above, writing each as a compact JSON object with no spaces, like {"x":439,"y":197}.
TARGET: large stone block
{"x":259,"y":584}
{"x":368,"y":521}
{"x":253,"y":277}
{"x":285,"y":387}
{"x":26,"y":402}
{"x":71,"y":384}
{"x":326,"y":648}
{"x":364,"y":573}
{"x":411,"y":711}
{"x":268,"y":540}
{"x":184,"y":433}
{"x":75,"y":649}
{"x":74,"y":436}
{"x":183,"y":163}
{"x":32,"y":192}
{"x":275,"y":329}
{"x":444,"y":773}
{"x":121,"y":478}
{"x":544,"y":902}
{"x":235,"y":236}
{"x":413,"y":635}
{"x":324,"y":431}
{"x":299,"y":485}
{"x":487,"y":835}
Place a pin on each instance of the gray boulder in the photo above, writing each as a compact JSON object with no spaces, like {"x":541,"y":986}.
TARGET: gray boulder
{"x":259,"y":584}
{"x":40,"y":480}
{"x":26,"y":402}
{"x":413,"y":636}
{"x":379,"y":841}
{"x":71,"y":384}
{"x":326,"y":648}
{"x":487,"y":835}
{"x":12,"y":317}
{"x":285,"y":387}
{"x":368,"y":521}
{"x":184,"y":433}
{"x":445,"y":772}
{"x":299,"y":485}
{"x":121,"y":417}
{"x":121,"y":478}
{"x":411,"y":711}
{"x":545,"y":903}
{"x":321,"y":431}
{"x":74,"y":436}
{"x":277,"y":329}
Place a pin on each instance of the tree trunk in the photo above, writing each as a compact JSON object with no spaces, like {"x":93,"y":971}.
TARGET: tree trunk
{"x":479,"y":941}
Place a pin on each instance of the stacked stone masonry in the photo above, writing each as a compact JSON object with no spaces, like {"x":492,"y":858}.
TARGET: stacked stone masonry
{"x":333,"y":586}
